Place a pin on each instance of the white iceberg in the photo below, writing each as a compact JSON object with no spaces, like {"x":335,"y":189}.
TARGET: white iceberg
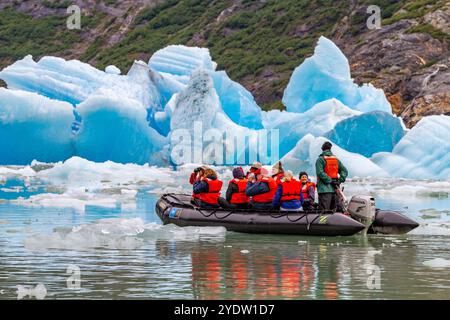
{"x":423,"y":153}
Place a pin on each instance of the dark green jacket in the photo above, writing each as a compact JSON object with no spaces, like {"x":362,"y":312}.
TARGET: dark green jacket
{"x":323,"y":180}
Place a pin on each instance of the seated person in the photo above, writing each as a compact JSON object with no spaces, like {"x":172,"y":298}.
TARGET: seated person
{"x":288,"y":196}
{"x":308,"y":189}
{"x":255,"y":167}
{"x":261,"y":189}
{"x":235,"y":195}
{"x":207,"y":190}
{"x":278,"y":172}
{"x":197,"y":174}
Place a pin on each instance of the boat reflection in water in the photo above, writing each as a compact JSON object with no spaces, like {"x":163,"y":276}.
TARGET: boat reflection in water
{"x":286,"y":268}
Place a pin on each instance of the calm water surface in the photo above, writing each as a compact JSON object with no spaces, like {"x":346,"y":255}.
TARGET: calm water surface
{"x":229,"y":266}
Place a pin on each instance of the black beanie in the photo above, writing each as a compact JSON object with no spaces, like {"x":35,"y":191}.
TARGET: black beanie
{"x":303,"y":173}
{"x":326,"y":146}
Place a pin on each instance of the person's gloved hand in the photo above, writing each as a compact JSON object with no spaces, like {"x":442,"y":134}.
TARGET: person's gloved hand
{"x":335,"y":184}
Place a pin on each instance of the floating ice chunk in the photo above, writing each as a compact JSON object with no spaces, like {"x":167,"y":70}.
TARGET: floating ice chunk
{"x":437,"y":263}
{"x":116,"y":129}
{"x":39,"y":292}
{"x":118,"y":233}
{"x":423,"y":153}
{"x":25,"y":172}
{"x":76,"y":199}
{"x":34,"y":127}
{"x":368,"y":133}
{"x":316,"y":121}
{"x":111,"y":69}
{"x":308,"y":149}
{"x":326,"y":75}
{"x":77,"y":172}
{"x":245,"y":251}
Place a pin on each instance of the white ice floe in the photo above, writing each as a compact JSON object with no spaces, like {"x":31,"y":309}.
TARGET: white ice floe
{"x":437,"y":263}
{"x":119,"y":233}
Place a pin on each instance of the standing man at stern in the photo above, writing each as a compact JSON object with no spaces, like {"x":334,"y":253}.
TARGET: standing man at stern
{"x":330,"y":174}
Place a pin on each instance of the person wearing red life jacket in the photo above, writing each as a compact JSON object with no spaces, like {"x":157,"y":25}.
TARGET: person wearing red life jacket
{"x":255,"y":167}
{"x":261,"y":188}
{"x":207,"y":190}
{"x":288,"y":196}
{"x":308,"y":189}
{"x":196,"y":175}
{"x":330,"y":174}
{"x":278,"y":172}
{"x":235,"y":197}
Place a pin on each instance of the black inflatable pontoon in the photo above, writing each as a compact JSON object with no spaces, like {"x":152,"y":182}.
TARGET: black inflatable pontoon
{"x":177,"y":209}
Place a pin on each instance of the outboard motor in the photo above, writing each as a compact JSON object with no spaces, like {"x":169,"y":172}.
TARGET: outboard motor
{"x":362,"y":209}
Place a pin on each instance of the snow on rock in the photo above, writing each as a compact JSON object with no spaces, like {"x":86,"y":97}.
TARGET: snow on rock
{"x":423,"y":153}
{"x":34,"y":127}
{"x":308,"y":149}
{"x":368,"y":133}
{"x":326,"y":75}
{"x":316,"y":121}
{"x":116,"y":129}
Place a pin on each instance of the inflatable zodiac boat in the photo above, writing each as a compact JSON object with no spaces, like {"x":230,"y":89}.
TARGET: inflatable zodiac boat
{"x":361,"y":215}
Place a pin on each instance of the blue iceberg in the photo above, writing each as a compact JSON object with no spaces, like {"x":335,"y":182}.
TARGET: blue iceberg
{"x":368,"y":133}
{"x":326,"y":75}
{"x":33,"y":127}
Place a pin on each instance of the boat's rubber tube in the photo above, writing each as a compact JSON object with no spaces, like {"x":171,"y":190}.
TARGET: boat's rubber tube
{"x":392,"y":222}
{"x":176,"y":209}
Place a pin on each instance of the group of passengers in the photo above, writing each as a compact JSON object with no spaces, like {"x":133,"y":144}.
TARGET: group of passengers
{"x":279,"y":190}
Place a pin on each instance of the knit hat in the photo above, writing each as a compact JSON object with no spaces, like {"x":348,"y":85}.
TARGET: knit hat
{"x":238,"y":173}
{"x":326,"y":146}
{"x":256,"y":165}
{"x":303,"y":173}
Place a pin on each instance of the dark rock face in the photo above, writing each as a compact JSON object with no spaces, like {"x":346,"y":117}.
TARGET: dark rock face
{"x":411,"y":68}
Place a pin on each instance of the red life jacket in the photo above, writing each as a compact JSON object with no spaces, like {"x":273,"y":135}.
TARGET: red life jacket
{"x":332,"y":166}
{"x":239,"y":197}
{"x":290,"y":190}
{"x":213,"y":193}
{"x":278,"y":177}
{"x":268,"y":196}
{"x":305,"y":188}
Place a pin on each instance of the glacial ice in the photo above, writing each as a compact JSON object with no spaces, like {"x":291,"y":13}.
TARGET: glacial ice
{"x":119,"y":233}
{"x":34,"y":127}
{"x":304,"y":155}
{"x":177,"y":63}
{"x":326,"y":75}
{"x":423,"y":153}
{"x":368,"y":133}
{"x":316,"y":121}
{"x":131,"y":118}
{"x":116,"y":129}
